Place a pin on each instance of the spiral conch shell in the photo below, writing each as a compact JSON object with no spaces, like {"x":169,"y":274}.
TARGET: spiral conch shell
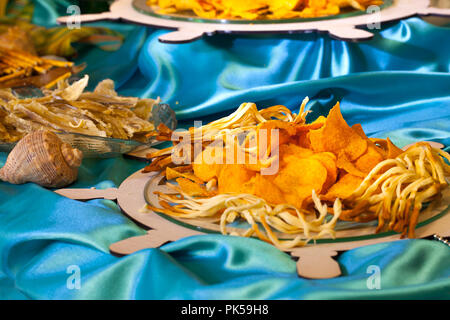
{"x":41,"y":157}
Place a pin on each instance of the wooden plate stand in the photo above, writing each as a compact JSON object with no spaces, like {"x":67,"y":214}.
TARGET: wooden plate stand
{"x":315,"y":260}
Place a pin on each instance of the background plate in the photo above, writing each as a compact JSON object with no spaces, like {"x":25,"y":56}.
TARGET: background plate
{"x":189,"y":29}
{"x":141,"y":6}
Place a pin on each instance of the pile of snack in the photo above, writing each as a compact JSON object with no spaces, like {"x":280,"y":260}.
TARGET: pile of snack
{"x":69,"y":108}
{"x":21,"y":66}
{"x":270,"y":168}
{"x":260,"y":9}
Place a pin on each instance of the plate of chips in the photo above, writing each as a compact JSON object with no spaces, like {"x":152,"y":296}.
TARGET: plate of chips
{"x":350,"y":20}
{"x":291,"y":182}
{"x":262,"y":11}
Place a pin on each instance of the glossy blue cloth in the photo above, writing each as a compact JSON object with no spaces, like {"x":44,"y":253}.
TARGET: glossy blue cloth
{"x":396,"y":85}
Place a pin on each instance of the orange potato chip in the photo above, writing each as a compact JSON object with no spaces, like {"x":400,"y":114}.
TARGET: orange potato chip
{"x":180,"y":5}
{"x":261,"y":186}
{"x":359,"y":130}
{"x":232,"y":178}
{"x":380,"y":150}
{"x":381,"y":143}
{"x":207,"y":165}
{"x":328,"y":160}
{"x":294,"y":200}
{"x":303,"y":139}
{"x":321,"y":120}
{"x":336,"y":136}
{"x":245,"y":5}
{"x":285,"y":131}
{"x":173,"y":174}
{"x":291,"y":149}
{"x":317,"y":124}
{"x":368,"y":160}
{"x":285,"y":4}
{"x":259,"y":166}
{"x":393,"y":150}
{"x":345,"y":164}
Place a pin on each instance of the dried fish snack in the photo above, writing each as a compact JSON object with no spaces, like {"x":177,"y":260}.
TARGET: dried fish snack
{"x":69,"y":108}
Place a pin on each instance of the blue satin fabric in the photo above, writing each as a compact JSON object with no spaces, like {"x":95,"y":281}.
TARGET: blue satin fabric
{"x":396,"y":85}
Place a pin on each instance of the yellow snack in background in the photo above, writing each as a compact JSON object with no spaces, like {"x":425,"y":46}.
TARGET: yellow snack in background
{"x":318,"y":165}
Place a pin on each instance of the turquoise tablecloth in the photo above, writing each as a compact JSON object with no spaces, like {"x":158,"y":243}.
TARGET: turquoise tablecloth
{"x":396,"y":85}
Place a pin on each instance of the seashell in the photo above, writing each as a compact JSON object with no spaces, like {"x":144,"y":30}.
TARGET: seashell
{"x":41,"y":157}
